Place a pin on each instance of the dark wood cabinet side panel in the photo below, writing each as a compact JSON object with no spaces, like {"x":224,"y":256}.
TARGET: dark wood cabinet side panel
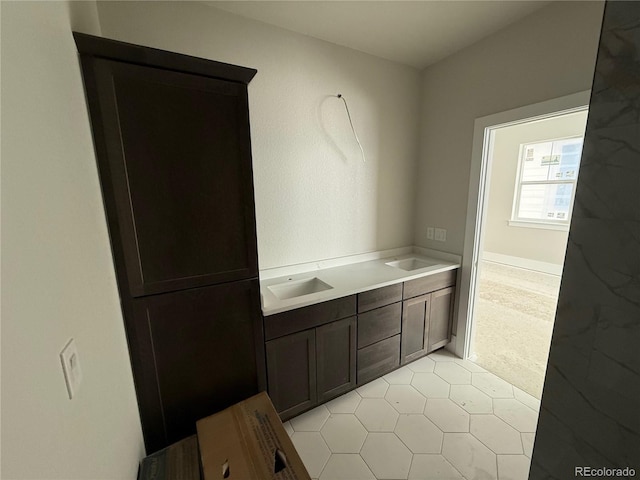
{"x":378,"y":359}
{"x":299,"y":319}
{"x":137,"y":335}
{"x":104,"y":130}
{"x":430,"y":283}
{"x":378,"y":324}
{"x":440,"y":320}
{"x":184,"y":196}
{"x":291,"y":372}
{"x":260,"y":345}
{"x":415,"y":328}
{"x":203,"y":351}
{"x":336,"y":358}
{"x":145,"y":377}
{"x":379,"y":297}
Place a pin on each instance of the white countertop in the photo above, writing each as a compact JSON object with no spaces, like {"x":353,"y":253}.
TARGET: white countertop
{"x":351,"y":278}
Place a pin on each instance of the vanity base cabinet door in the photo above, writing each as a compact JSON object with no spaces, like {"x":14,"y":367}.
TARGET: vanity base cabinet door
{"x":415,"y":328}
{"x":440,"y":318}
{"x":336,"y":357}
{"x":291,"y":372}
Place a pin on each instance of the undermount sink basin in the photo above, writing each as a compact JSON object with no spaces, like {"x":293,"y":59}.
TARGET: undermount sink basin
{"x":412,"y":263}
{"x":297,"y":288}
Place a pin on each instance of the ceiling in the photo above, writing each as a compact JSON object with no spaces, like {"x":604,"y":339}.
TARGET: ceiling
{"x":415,"y":33}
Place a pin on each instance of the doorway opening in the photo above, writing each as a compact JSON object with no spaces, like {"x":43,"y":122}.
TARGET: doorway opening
{"x":525,"y":162}
{"x":532,"y":174}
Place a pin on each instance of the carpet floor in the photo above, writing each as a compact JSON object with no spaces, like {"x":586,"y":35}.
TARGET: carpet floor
{"x":513,"y":323}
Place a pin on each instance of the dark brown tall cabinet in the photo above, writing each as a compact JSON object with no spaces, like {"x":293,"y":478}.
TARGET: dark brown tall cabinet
{"x":171,"y":134}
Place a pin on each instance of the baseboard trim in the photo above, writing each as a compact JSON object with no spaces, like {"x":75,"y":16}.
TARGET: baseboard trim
{"x":527,"y":263}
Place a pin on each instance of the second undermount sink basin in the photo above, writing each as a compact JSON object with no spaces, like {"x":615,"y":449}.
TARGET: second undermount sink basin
{"x":412,"y":263}
{"x":297,"y":288}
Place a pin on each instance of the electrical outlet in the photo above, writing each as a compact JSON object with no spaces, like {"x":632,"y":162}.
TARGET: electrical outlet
{"x":440,"y":235}
{"x":429,"y":233}
{"x":71,"y":367}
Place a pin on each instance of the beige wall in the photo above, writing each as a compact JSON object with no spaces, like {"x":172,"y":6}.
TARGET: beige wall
{"x":541,"y":245}
{"x":315,"y":198}
{"x":549,"y":54}
{"x":57,"y":273}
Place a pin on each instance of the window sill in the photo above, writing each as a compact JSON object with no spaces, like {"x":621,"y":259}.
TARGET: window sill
{"x":540,"y":225}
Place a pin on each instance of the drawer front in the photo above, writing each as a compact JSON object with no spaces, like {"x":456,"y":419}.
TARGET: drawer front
{"x":304,"y":318}
{"x":379,"y":324}
{"x":378,"y":359}
{"x":430,"y":283}
{"x":379,"y":297}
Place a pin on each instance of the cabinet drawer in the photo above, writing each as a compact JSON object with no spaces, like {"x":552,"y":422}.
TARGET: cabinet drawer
{"x":379,"y":297}
{"x":379,"y":324}
{"x":303,"y":318}
{"x":378,"y":359}
{"x":430,"y":283}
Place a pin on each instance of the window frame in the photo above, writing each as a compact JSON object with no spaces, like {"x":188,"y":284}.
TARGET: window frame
{"x":562,"y":225}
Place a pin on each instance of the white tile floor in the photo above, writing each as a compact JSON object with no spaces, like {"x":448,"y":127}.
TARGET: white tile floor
{"x":437,"y":418}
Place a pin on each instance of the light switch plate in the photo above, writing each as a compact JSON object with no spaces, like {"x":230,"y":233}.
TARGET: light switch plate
{"x":71,"y":367}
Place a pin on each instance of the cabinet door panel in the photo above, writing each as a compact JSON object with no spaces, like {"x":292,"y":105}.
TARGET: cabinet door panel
{"x":415,"y":328}
{"x":336,"y":356}
{"x":440,"y":318}
{"x":194,"y":353}
{"x":291,"y":372}
{"x":178,"y":169}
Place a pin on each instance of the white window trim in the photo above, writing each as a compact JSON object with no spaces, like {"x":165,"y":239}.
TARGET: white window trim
{"x":515,"y":221}
{"x":563,"y":227}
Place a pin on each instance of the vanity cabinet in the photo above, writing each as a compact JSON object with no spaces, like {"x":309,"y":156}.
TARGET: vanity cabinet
{"x":318,"y":352}
{"x":427,"y":311}
{"x":311,"y":355}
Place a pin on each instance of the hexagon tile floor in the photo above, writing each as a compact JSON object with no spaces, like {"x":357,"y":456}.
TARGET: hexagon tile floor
{"x":437,"y":418}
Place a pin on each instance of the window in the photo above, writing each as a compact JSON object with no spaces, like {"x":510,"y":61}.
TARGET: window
{"x":546,"y":184}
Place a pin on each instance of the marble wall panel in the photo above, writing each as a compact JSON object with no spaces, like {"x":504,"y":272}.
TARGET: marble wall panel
{"x":590,"y":411}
